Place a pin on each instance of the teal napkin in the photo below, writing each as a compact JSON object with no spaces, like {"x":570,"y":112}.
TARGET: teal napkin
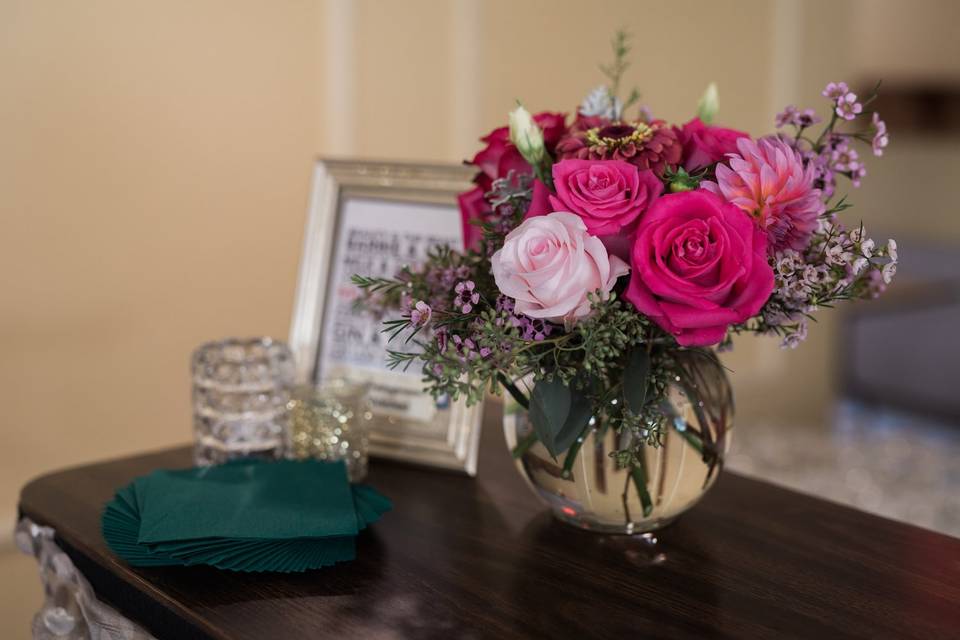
{"x":243,"y":516}
{"x":260,"y":500}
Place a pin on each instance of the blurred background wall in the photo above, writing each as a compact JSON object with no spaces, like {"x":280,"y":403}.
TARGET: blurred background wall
{"x":155,"y":160}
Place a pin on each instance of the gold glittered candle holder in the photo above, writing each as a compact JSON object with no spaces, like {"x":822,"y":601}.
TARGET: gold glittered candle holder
{"x":331,"y":422}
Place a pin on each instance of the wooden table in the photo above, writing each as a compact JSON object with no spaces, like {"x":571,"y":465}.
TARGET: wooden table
{"x":478,"y":558}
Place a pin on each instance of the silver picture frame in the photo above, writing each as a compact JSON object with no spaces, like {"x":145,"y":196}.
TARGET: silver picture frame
{"x":345,"y":196}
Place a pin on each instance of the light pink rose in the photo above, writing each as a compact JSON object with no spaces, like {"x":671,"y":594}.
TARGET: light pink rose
{"x":549,"y":264}
{"x":699,"y":265}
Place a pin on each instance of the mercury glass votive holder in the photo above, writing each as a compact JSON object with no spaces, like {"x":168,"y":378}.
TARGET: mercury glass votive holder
{"x":241,"y":387}
{"x":331,"y":421}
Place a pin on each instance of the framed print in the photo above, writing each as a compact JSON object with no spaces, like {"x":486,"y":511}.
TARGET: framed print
{"x":372,"y":218}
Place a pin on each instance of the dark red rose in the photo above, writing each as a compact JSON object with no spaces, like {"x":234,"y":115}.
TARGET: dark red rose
{"x":539,"y":200}
{"x":553,"y":125}
{"x":703,"y":144}
{"x":473,"y":206}
{"x":499,"y":157}
{"x":496,"y":160}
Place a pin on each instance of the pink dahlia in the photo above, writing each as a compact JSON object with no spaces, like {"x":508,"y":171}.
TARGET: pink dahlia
{"x":768,"y":180}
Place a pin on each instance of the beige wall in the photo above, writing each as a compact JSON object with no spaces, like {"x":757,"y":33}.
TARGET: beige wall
{"x":155,"y":161}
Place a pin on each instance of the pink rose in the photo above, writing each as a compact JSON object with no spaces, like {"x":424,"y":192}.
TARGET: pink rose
{"x":549,"y":264}
{"x":703,"y":145}
{"x":609,"y":195}
{"x":699,"y":265}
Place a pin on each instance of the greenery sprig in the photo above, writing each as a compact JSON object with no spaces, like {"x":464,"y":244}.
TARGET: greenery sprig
{"x":620,"y":44}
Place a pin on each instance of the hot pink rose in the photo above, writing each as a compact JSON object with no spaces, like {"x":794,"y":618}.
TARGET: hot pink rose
{"x":549,"y":264}
{"x":609,"y":195}
{"x":703,"y":145}
{"x":699,"y":265}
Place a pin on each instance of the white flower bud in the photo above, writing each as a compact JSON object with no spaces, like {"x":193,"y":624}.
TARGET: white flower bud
{"x":526,"y":136}
{"x":709,"y":104}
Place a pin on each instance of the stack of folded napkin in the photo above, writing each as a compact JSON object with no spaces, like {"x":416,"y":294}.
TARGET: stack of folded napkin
{"x":246,"y":515}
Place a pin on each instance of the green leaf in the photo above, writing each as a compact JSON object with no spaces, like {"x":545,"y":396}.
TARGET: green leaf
{"x":558,"y":414}
{"x":636,"y":379}
{"x":549,"y":408}
{"x":581,"y":410}
{"x":639,"y":475}
{"x":524,"y":444}
{"x":571,"y":457}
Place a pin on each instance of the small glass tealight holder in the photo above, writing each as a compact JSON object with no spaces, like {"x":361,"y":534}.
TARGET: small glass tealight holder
{"x":241,"y":387}
{"x":331,"y":422}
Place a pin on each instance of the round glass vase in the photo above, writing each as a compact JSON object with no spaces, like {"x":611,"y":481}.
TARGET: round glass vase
{"x":589,"y":489}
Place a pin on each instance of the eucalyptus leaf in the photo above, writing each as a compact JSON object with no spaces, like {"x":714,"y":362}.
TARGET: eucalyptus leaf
{"x":580,"y":411}
{"x":636,"y":379}
{"x":558,"y":414}
{"x":549,"y":408}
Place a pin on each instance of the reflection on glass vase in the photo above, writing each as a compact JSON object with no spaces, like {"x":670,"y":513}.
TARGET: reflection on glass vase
{"x":587,"y":488}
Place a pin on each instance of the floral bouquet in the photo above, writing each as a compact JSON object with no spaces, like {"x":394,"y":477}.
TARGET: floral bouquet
{"x":607,"y":258}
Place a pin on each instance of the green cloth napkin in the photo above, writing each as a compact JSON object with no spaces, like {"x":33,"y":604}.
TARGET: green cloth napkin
{"x":247,"y":515}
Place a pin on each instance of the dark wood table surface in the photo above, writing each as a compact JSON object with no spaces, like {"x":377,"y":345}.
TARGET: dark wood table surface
{"x":477,"y":558}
